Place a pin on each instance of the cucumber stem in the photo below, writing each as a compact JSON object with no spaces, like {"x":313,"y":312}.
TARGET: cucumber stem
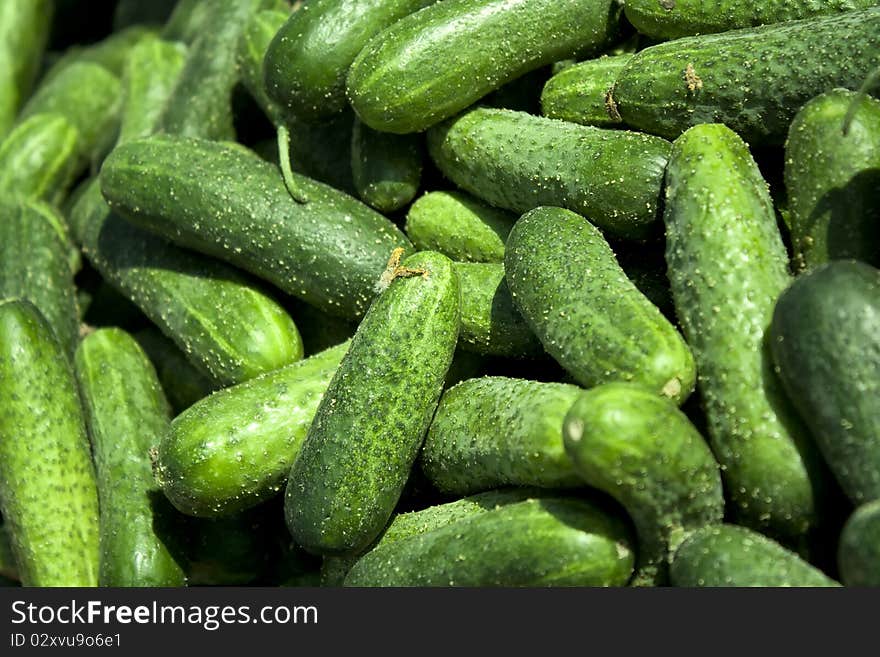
{"x":869,"y":82}
{"x":293,"y":188}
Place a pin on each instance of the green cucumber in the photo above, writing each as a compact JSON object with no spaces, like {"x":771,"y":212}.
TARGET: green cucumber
{"x":727,"y":266}
{"x":589,"y":316}
{"x":497,"y":431}
{"x":825,"y":339}
{"x":49,"y":503}
{"x":458,"y":226}
{"x":490,"y":322}
{"x":182,"y":383}
{"x":234,"y":449}
{"x":518,"y":162}
{"x":126,"y":414}
{"x":536,"y":542}
{"x":372,"y":420}
{"x":728,"y":555}
{"x":386,"y":168}
{"x":432,"y":64}
{"x":215,"y":198}
{"x":753,"y":80}
{"x":643,"y":451}
{"x":578,"y":93}
{"x":833,"y":180}
{"x":858,"y":552}
{"x":249,"y":56}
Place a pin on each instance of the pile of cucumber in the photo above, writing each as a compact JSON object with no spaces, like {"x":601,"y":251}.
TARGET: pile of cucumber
{"x":439,"y":293}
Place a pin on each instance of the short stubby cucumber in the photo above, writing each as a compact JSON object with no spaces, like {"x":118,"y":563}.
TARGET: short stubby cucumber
{"x":224,"y":202}
{"x":825,"y":339}
{"x":536,"y":542}
{"x":579,"y":93}
{"x":434,"y":63}
{"x":126,"y":414}
{"x":517,"y":161}
{"x":234,"y":449}
{"x":459,"y":226}
{"x":181,"y":382}
{"x":752,"y":80}
{"x":728,"y":555}
{"x":589,"y":316}
{"x":643,"y":451}
{"x":386,"y":168}
{"x":833,"y":180}
{"x":24,"y":32}
{"x":497,"y":431}
{"x":858,"y":551}
{"x":49,"y":503}
{"x":372,"y":420}
{"x":727,"y":266}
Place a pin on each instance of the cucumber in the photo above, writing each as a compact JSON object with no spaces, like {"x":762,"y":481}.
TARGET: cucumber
{"x":126,"y":414}
{"x":181,"y":382}
{"x":458,"y":226}
{"x":589,"y":316}
{"x":518,"y":162}
{"x":727,"y":555}
{"x":858,"y":552}
{"x":536,"y":542}
{"x":372,"y":420}
{"x":432,"y":64}
{"x":490,"y":322}
{"x":249,"y":56}
{"x":833,"y":180}
{"x":727,"y":267}
{"x":752,"y":80}
{"x":215,"y":198}
{"x":307,"y":62}
{"x":50,"y":503}
{"x":825,"y":339}
{"x":386,"y":168}
{"x":578,"y":93}
{"x":497,"y":431}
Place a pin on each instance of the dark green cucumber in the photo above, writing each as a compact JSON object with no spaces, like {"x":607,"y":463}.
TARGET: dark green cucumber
{"x":372,"y":420}
{"x":219,"y":200}
{"x":518,"y":161}
{"x":497,"y":431}
{"x":490,"y":322}
{"x":578,"y":93}
{"x":825,"y":339}
{"x":536,"y":542}
{"x":49,"y":503}
{"x":234,"y":449}
{"x":433,"y":64}
{"x":728,"y":555}
{"x":181,"y":382}
{"x":858,"y":552}
{"x":727,"y":267}
{"x":126,"y":414}
{"x":753,"y":80}
{"x":833,"y":180}
{"x":249,"y":56}
{"x":459,"y":226}
{"x":308,"y":60}
{"x":589,"y":316}
{"x":386,"y":168}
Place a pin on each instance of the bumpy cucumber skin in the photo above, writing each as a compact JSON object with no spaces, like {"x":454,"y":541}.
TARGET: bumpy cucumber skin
{"x":537,"y":542}
{"x":181,"y":382}
{"x":752,"y":80}
{"x":459,"y":226}
{"x":727,"y":266}
{"x":227,"y":203}
{"x":24,"y":31}
{"x":126,"y":414}
{"x":578,"y":93}
{"x":825,"y":339}
{"x":433,"y":64}
{"x":589,"y":316}
{"x":49,"y":503}
{"x":858,"y":552}
{"x":372,"y":420}
{"x":518,"y":162}
{"x":387,"y":169}
{"x":307,"y":62}
{"x":498,"y":431}
{"x":833,"y":180}
{"x":234,"y":449}
{"x":728,"y":555}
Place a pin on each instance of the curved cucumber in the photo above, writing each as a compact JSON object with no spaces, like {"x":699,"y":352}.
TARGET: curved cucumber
{"x":578,"y":93}
{"x":49,"y":503}
{"x":181,"y":382}
{"x":858,"y":552}
{"x":24,"y":31}
{"x":38,"y":157}
{"x":386,"y":168}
